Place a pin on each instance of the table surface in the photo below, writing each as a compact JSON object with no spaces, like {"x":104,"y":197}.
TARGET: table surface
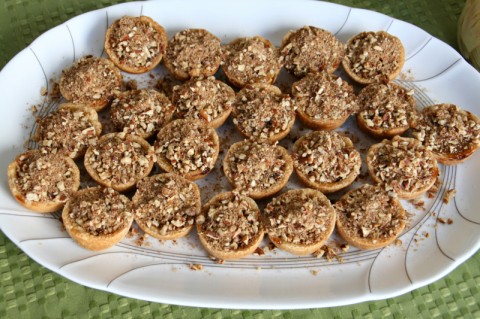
{"x":28,"y":290}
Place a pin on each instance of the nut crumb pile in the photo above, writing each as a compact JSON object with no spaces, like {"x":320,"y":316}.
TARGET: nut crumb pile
{"x":42,"y":178}
{"x":193,"y":53}
{"x":261,"y":112}
{"x":255,"y":166}
{"x":91,"y":81}
{"x":325,"y":157}
{"x":445,"y":129}
{"x":299,"y":217}
{"x":188,"y":146}
{"x":119,"y":159}
{"x":369,"y":212}
{"x":403,"y":163}
{"x":140,"y":112}
{"x":100,"y":211}
{"x":166,"y":202}
{"x":386,"y":106}
{"x":311,"y":49}
{"x":80,"y":124}
{"x":251,"y":60}
{"x":323,"y":96}
{"x":230,"y":224}
{"x":136,"y":43}
{"x":205,"y":99}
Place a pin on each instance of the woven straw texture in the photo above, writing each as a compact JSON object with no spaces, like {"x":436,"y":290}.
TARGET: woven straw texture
{"x":28,"y":290}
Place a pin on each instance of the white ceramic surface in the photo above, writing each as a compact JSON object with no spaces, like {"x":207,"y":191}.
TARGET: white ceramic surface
{"x":160,"y":271}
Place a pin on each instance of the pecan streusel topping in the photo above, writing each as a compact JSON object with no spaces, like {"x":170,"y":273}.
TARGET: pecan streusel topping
{"x":141,"y":112}
{"x":300,"y":216}
{"x":251,"y":60}
{"x":43,"y":178}
{"x":374,"y":56}
{"x":193,"y":53}
{"x":119,"y":159}
{"x":230,"y":223}
{"x":369,"y":212}
{"x":91,"y":81}
{"x":262,"y":111}
{"x":311,"y":49}
{"x":136,"y":42}
{"x":386,"y":106}
{"x":254,"y":167}
{"x":166,"y":203}
{"x":402,"y":163}
{"x":323,"y":96}
{"x":188,"y":146}
{"x":325,"y":157}
{"x":204,"y":99}
{"x":446,"y":129}
{"x":99,"y":210}
{"x":79,"y":123}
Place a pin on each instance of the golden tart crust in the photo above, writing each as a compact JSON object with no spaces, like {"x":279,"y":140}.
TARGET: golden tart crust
{"x":258,"y":169}
{"x":373,"y":57}
{"x":90,"y":81}
{"x":326,"y":160}
{"x":251,"y":60}
{"x":261,"y":112}
{"x":403,"y":164}
{"x":206,"y":99}
{"x":299,"y":221}
{"x":119,"y":160}
{"x":450,"y":133}
{"x":42,"y":183}
{"x":189,"y":148}
{"x":141,"y":112}
{"x":165,"y":205}
{"x":78,"y":122}
{"x":230,"y":226}
{"x":135,"y":44}
{"x":193,"y":53}
{"x":324,"y":101}
{"x":386,"y":110}
{"x":310,"y":49}
{"x":369,"y":218}
{"x":97,"y":218}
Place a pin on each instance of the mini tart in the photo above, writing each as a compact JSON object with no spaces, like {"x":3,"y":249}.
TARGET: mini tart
{"x":206,"y":99}
{"x":386,"y":110}
{"x":324,"y":101}
{"x":311,"y":49}
{"x":374,"y":57}
{"x":193,"y":53}
{"x":90,"y":81}
{"x":299,"y":221}
{"x":187,"y":147}
{"x":230,"y":226}
{"x":369,"y":218}
{"x":263,"y":113}
{"x":165,"y":205}
{"x":251,"y":60}
{"x":450,"y":133}
{"x":141,"y":112}
{"x":119,"y":160}
{"x":43,"y":183}
{"x":135,"y":44}
{"x":97,"y":218}
{"x":326,"y":160}
{"x":258,"y":169}
{"x":78,"y":122}
{"x":403,"y":164}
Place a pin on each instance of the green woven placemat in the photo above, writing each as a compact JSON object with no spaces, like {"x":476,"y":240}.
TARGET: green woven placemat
{"x":28,"y":290}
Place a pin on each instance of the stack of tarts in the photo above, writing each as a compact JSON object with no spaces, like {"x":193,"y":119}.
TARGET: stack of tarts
{"x":176,"y":131}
